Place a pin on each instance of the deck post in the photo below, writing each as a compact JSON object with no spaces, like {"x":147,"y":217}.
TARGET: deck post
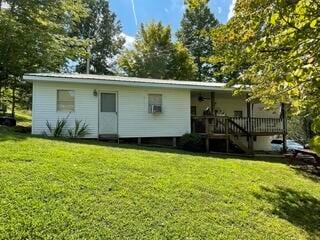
{"x":213,"y":103}
{"x":207,"y":135}
{"x":207,"y":144}
{"x":193,"y":121}
{"x":249,"y":125}
{"x":174,"y":142}
{"x":227,"y":134}
{"x":139,"y":140}
{"x":284,"y":125}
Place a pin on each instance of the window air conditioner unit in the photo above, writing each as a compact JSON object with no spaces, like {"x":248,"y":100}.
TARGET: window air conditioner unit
{"x":156,"y":109}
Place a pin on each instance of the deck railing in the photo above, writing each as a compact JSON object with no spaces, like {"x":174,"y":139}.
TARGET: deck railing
{"x":237,"y":125}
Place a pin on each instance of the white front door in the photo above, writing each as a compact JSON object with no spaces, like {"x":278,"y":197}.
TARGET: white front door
{"x":108,"y":116}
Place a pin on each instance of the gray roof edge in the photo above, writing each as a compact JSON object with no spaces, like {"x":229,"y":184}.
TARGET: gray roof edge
{"x":127,"y":81}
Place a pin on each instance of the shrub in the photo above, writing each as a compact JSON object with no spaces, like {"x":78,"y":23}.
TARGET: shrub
{"x":192,"y":142}
{"x":80,"y":129}
{"x":58,"y":130}
{"x":22,"y":129}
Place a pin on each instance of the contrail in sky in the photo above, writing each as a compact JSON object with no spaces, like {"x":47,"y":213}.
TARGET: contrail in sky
{"x":231,"y":9}
{"x":134,"y":12}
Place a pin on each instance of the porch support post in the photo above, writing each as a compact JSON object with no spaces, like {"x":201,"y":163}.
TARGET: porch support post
{"x":174,"y":142}
{"x":285,"y":130}
{"x":139,"y":140}
{"x":250,"y":137}
{"x":207,"y":135}
{"x":207,"y":144}
{"x":227,"y":134}
{"x":193,"y":123}
{"x":213,"y":103}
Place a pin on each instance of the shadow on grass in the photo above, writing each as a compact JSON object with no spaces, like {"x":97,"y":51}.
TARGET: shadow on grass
{"x":8,"y":134}
{"x":308,"y":171}
{"x":298,"y":207}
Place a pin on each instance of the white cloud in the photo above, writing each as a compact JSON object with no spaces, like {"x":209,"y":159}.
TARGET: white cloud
{"x":134,"y":12}
{"x":5,"y":5}
{"x":177,"y":5}
{"x":231,"y":9}
{"x":129,"y":41}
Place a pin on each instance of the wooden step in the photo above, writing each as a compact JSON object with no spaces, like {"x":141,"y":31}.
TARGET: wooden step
{"x":240,"y":144}
{"x":108,"y":137}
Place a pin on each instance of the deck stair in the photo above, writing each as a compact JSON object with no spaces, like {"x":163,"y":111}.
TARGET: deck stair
{"x":231,"y":129}
{"x":235,"y":131}
{"x":237,"y":142}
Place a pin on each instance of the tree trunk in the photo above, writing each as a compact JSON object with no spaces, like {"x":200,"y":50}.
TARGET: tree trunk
{"x":199,"y":66}
{"x":13,"y":104}
{"x":1,"y":102}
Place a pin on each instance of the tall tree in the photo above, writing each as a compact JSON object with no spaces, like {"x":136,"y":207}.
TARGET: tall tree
{"x":278,"y":42}
{"x":104,"y":31}
{"x":156,"y":56}
{"x":196,"y":26}
{"x":34,"y":36}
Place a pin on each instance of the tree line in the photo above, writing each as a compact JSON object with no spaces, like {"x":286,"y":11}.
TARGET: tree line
{"x":50,"y":35}
{"x":271,"y":45}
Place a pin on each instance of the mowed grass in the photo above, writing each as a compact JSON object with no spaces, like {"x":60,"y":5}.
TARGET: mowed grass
{"x":55,"y":189}
{"x":23,"y":118}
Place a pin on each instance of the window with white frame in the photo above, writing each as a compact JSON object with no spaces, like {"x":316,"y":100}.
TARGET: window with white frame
{"x":155,"y":103}
{"x":65,"y":100}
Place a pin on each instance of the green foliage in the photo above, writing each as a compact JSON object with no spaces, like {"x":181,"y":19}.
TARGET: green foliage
{"x":35,"y":36}
{"x":155,"y":56}
{"x":192,"y":142}
{"x":3,"y":108}
{"x":274,"y":46}
{"x":104,"y":31}
{"x":110,"y":191}
{"x":315,"y":142}
{"x":58,"y":130}
{"x":299,"y":129}
{"x":196,"y":26}
{"x":80,"y":129}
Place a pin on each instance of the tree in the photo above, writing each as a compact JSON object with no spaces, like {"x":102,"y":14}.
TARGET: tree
{"x":34,"y":36}
{"x":104,"y":31}
{"x":155,"y":56}
{"x":196,"y":26}
{"x":275,"y":45}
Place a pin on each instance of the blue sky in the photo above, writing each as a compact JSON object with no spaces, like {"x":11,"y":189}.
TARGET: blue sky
{"x":132,"y":13}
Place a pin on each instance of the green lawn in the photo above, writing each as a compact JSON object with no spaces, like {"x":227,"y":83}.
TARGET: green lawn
{"x":54,"y":189}
{"x":23,"y":118}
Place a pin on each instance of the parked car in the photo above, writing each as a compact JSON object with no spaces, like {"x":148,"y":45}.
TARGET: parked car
{"x":277,"y":145}
{"x":8,"y":121}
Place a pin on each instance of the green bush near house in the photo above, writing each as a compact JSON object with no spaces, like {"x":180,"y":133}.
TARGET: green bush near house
{"x":192,"y":142}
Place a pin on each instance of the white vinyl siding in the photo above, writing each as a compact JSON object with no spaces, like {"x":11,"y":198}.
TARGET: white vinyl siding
{"x":133,"y":117}
{"x":45,"y":107}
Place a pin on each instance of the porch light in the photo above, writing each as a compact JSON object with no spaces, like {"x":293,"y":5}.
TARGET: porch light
{"x":95,"y":93}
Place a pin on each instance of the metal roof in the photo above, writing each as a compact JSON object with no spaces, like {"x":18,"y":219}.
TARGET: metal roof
{"x":126,"y":81}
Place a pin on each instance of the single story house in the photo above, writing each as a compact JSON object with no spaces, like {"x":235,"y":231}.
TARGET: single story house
{"x":127,"y":107}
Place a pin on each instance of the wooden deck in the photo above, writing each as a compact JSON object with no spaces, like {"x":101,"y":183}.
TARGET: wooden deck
{"x":241,"y":126}
{"x":232,"y":128}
